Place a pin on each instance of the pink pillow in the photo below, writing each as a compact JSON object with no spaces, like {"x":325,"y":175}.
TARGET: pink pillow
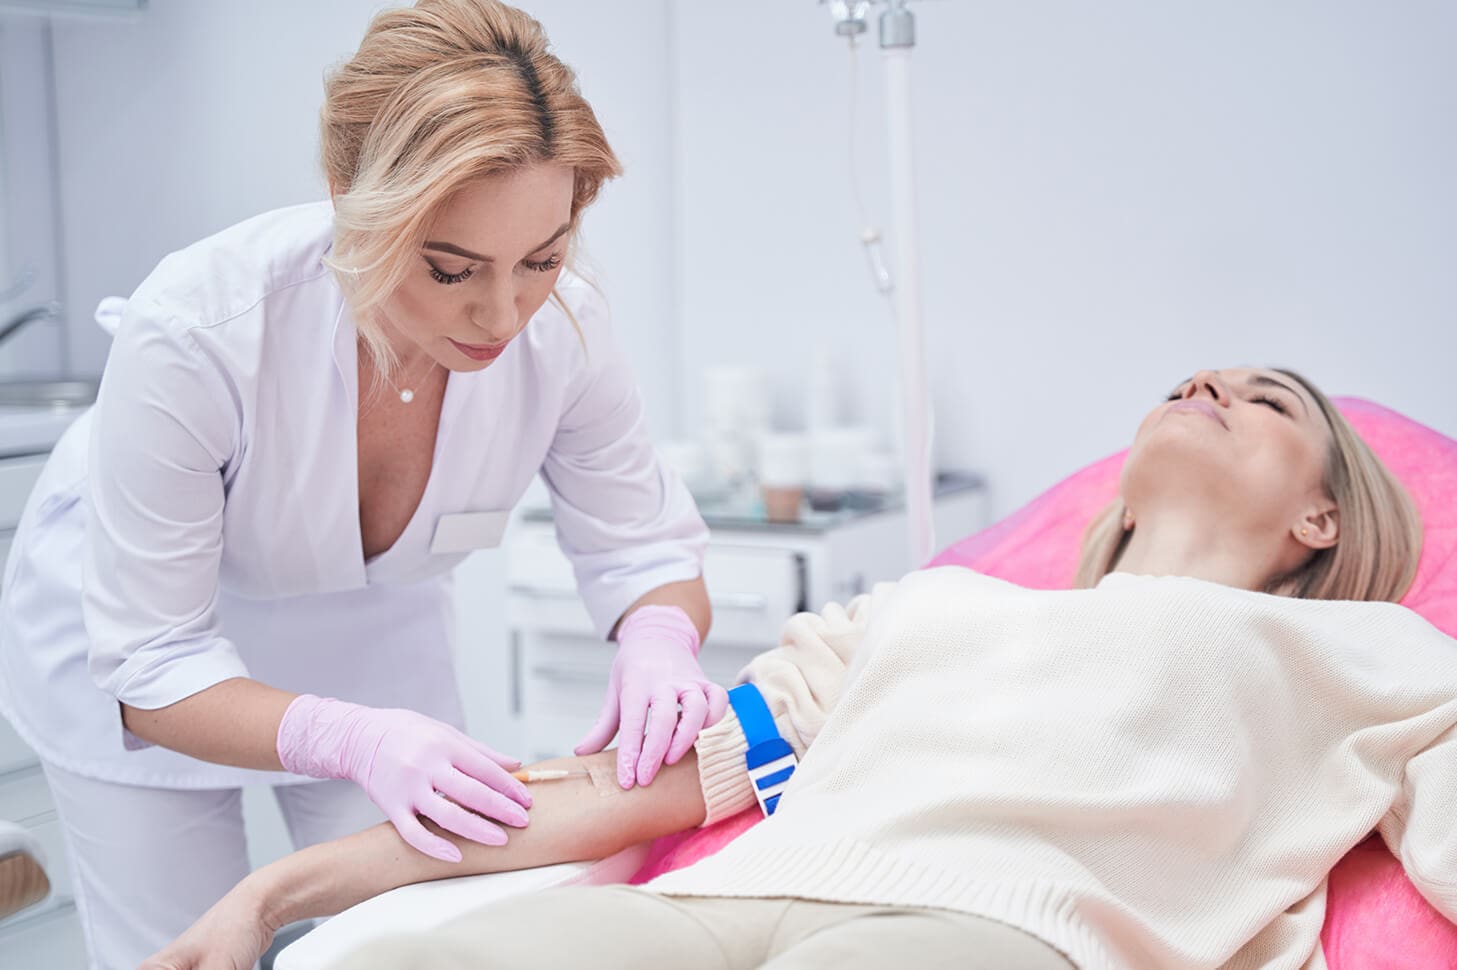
{"x":1375,"y":919}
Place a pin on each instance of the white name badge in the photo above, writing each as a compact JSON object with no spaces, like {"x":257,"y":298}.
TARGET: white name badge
{"x":469,"y":531}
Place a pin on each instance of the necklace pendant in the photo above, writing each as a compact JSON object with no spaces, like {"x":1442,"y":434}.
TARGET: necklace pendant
{"x":407,"y":395}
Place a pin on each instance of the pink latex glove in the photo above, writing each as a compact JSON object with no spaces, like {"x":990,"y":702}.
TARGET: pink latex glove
{"x":656,"y":670}
{"x":409,"y":765}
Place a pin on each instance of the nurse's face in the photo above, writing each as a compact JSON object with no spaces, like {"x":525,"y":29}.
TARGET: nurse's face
{"x":489,"y":262}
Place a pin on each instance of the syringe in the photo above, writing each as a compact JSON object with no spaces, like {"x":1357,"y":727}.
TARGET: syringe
{"x":547,"y":774}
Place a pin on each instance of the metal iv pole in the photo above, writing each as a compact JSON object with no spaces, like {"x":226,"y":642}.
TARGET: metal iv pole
{"x":897,"y":39}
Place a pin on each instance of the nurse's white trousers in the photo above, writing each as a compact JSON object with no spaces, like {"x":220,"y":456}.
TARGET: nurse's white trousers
{"x":147,"y":862}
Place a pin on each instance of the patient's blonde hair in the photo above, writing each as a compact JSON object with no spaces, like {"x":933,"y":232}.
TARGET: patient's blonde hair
{"x":1380,"y":531}
{"x":437,"y":95}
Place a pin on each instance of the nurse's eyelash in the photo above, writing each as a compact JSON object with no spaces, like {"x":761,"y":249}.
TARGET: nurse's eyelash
{"x":546,"y":265}
{"x":1261,"y":399}
{"x":449,"y":279}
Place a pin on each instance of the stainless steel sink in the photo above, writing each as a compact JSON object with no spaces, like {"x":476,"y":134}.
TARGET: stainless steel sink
{"x":47,"y":393}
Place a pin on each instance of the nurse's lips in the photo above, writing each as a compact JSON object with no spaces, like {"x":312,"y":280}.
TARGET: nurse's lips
{"x":1200,"y":406}
{"x":479,"y":351}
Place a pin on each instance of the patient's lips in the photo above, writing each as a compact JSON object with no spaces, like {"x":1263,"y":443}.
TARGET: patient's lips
{"x":1199,"y":406}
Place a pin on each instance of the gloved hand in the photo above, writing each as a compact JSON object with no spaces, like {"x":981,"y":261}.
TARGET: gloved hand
{"x":407,"y":764}
{"x":656,"y":669}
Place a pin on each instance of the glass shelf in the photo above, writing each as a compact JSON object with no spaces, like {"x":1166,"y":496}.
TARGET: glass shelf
{"x":742,"y":515}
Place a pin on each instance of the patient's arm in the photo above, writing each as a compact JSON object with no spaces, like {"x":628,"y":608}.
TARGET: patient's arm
{"x":570,"y":820}
{"x":1418,"y":830}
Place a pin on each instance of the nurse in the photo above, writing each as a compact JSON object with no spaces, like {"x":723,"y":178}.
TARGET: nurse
{"x":237,"y":564}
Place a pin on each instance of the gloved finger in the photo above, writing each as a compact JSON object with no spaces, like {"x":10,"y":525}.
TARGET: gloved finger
{"x":453,"y":818}
{"x":421,"y":838}
{"x":469,"y":793}
{"x":471,"y":763}
{"x":717,"y":703}
{"x":629,"y":737}
{"x":604,"y":729}
{"x":662,"y":721}
{"x":690,"y":722}
{"x":504,"y":760}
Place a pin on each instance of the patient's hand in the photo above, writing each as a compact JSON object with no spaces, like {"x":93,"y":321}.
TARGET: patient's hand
{"x":230,"y":936}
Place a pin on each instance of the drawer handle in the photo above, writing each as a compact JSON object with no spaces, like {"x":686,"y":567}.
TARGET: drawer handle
{"x":740,"y":602}
{"x":543,"y":593}
{"x":556,"y":675}
{"x":732,"y":602}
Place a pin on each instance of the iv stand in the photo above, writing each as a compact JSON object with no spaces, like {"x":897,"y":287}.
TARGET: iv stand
{"x":897,"y":38}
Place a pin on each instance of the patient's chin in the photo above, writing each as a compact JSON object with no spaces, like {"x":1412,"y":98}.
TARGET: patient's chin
{"x":1173,"y":444}
{"x":1178,"y":469}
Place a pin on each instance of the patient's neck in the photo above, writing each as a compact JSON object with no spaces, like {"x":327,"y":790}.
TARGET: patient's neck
{"x":1179,"y":545}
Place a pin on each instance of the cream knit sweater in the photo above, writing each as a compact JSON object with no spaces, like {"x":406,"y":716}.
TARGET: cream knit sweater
{"x":1156,"y":773}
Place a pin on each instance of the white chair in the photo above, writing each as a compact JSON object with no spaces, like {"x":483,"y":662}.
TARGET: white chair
{"x":23,"y":880}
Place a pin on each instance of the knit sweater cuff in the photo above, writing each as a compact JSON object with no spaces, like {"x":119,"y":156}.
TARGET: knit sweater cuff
{"x":722,"y":772}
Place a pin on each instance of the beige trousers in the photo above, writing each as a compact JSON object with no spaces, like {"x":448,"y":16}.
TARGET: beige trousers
{"x":628,"y":928}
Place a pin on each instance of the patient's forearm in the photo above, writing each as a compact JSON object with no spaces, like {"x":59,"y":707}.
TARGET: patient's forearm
{"x":570,"y":820}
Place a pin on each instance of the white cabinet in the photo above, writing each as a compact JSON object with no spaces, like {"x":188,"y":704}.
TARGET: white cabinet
{"x":47,"y":934}
{"x":757,"y":575}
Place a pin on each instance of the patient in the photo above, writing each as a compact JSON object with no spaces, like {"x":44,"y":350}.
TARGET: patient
{"x":1157,"y":770}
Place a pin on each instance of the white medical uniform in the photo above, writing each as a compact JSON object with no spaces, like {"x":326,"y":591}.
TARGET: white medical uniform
{"x":201,"y":522}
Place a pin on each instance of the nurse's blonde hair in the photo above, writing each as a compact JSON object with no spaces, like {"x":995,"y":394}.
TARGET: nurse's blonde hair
{"x":437,"y":95}
{"x":1380,"y":540}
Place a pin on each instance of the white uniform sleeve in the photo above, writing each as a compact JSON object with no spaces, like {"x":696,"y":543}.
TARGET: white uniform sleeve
{"x":625,"y":519}
{"x":163,"y":430}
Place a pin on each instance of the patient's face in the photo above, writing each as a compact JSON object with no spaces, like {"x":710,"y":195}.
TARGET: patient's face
{"x":1245,"y":444}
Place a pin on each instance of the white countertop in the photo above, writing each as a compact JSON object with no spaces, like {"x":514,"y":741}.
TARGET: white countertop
{"x":33,"y":430}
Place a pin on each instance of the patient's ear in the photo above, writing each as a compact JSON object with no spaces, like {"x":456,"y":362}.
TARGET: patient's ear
{"x":1319,"y":527}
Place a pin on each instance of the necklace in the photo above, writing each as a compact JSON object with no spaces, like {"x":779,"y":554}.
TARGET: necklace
{"x":407,"y":394}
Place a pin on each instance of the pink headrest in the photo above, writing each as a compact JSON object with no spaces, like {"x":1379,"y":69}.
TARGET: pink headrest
{"x":1037,"y":546}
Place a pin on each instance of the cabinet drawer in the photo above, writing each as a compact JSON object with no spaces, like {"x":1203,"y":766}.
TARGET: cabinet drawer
{"x":7,"y":539}
{"x":555,"y":667}
{"x":58,"y":869}
{"x":17,"y":478}
{"x":14,"y":753}
{"x":753,"y":590}
{"x":41,"y":937}
{"x":564,"y":682}
{"x":24,"y":797}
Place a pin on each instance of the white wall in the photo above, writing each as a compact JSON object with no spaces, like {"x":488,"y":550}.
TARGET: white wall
{"x":28,"y":232}
{"x":193,"y":115}
{"x":1112,"y":195}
